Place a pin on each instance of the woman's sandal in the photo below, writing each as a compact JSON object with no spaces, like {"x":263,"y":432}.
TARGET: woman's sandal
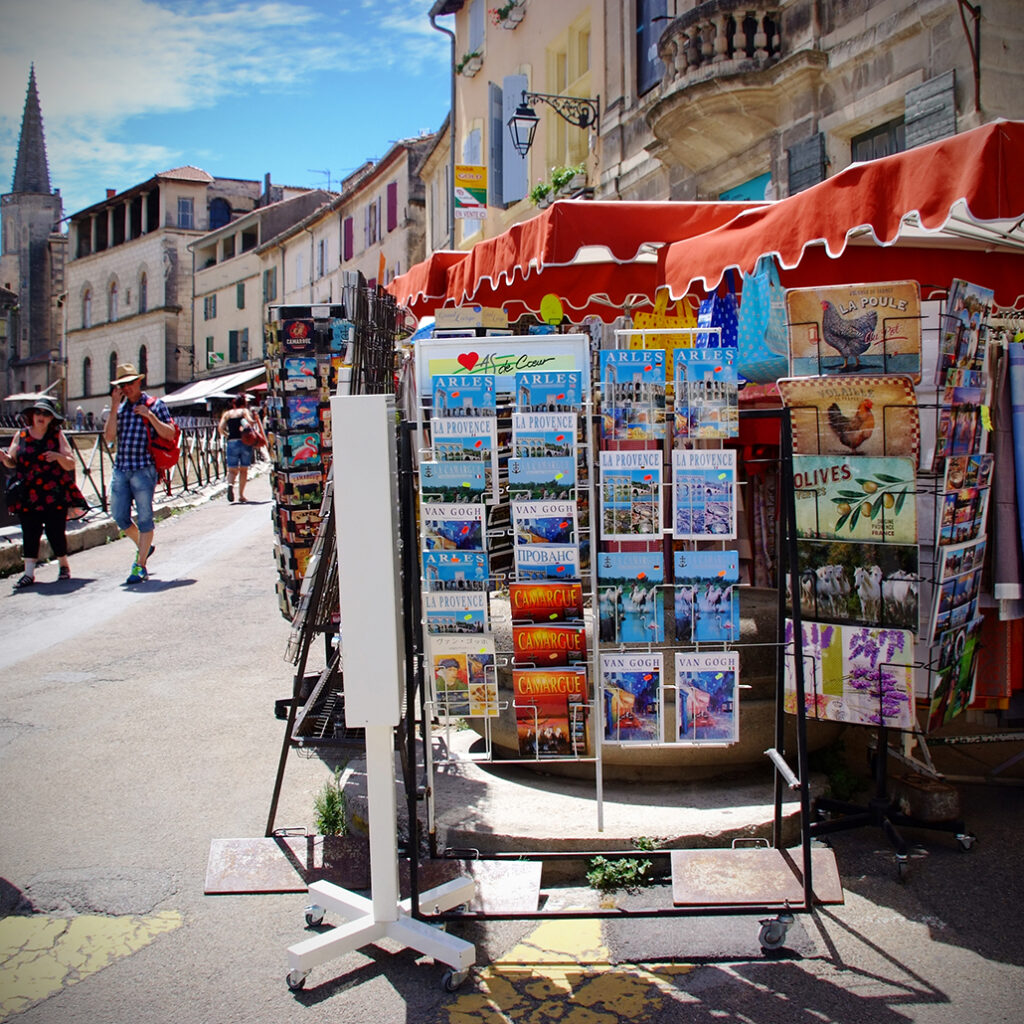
{"x":65,"y":573}
{"x":25,"y":581}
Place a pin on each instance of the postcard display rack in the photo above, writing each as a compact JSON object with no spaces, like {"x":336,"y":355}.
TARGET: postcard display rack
{"x":891,"y":500}
{"x":546,"y":489}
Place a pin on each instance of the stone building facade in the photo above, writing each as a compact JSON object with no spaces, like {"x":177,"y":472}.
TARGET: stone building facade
{"x":129,"y":278}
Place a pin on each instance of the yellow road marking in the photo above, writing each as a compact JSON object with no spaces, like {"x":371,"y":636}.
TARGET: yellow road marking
{"x":40,"y":956}
{"x":562,"y":972}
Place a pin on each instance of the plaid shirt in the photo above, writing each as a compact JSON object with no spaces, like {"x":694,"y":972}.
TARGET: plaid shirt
{"x":134,"y":435}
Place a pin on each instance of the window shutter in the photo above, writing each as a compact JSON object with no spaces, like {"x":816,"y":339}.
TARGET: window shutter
{"x":392,"y":205}
{"x":649,"y":67}
{"x":515,"y":169}
{"x":930,"y":112}
{"x":347,"y":238}
{"x":495,"y":142}
{"x":806,"y":163}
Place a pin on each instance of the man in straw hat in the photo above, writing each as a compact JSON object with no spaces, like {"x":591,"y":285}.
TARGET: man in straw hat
{"x":133,"y":415}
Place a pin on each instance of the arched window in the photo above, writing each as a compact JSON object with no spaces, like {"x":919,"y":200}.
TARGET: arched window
{"x":112,"y":301}
{"x":87,"y":308}
{"x":87,"y":376}
{"x":113,"y":365}
{"x":143,"y":359}
{"x":143,"y":296}
{"x":220,"y":213}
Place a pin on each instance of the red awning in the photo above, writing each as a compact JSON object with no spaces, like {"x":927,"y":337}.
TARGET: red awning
{"x":597,"y":257}
{"x":949,"y":209}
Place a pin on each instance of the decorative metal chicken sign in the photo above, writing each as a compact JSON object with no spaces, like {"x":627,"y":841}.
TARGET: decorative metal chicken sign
{"x":855,"y":329}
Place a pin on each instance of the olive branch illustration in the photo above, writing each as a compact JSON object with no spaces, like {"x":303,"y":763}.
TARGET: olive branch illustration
{"x":882,"y":492}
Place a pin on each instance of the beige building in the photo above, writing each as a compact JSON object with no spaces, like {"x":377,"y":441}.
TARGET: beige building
{"x":715,"y":100}
{"x":232,"y":284}
{"x":377,"y":221}
{"x":129,"y":279}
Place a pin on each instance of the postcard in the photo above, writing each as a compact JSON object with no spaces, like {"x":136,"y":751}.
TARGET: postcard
{"x":551,"y":711}
{"x":964,"y":338}
{"x":297,"y":337}
{"x":631,"y":495}
{"x":549,"y":391}
{"x":870,"y":584}
{"x":549,"y":644}
{"x":632,"y":394}
{"x":452,"y":482}
{"x":631,"y":692}
{"x":860,"y":415}
{"x":631,"y":600}
{"x":463,"y":678}
{"x":543,"y":434}
{"x":300,"y":450}
{"x":707,"y":697}
{"x":542,"y":479}
{"x":962,"y":515}
{"x":855,"y":329}
{"x":706,"y":592}
{"x":704,"y":494}
{"x":956,"y":602}
{"x":706,"y":399}
{"x":956,"y":559}
{"x":955,"y":673}
{"x":544,"y":522}
{"x":547,"y":562}
{"x":546,"y":602}
{"x":455,"y":570}
{"x":967,"y":471}
{"x":448,"y":527}
{"x":340,"y":336}
{"x":854,"y":674}
{"x":298,"y":373}
{"x":468,"y":439}
{"x":302,"y":411}
{"x":463,"y":395}
{"x":450,"y":611}
{"x":869,"y":498}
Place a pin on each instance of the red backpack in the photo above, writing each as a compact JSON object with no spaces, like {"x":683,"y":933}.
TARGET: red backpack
{"x":164,"y":451}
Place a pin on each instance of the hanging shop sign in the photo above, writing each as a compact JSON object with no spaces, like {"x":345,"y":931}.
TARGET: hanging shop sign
{"x":470,"y":192}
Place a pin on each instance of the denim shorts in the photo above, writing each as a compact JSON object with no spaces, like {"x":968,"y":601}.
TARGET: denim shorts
{"x":137,"y":486}
{"x":239,"y":454}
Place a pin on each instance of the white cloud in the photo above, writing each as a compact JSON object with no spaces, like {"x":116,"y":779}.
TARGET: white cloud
{"x":129,"y":59}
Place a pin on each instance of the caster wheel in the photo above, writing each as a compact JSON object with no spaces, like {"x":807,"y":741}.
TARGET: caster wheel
{"x":966,"y":841}
{"x":902,"y":868}
{"x":314,"y":915}
{"x":451,"y":981}
{"x":296,"y":980}
{"x":773,"y":931}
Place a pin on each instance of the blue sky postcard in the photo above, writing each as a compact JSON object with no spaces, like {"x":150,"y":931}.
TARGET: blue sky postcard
{"x":543,"y":434}
{"x":549,"y":391}
{"x":633,"y":394}
{"x":707,"y":607}
{"x":452,"y":482}
{"x":463,"y":394}
{"x":706,"y":394}
{"x":704,"y":494}
{"x":452,"y":527}
{"x":541,"y":479}
{"x":631,"y":503}
{"x":456,"y":570}
{"x":631,"y":599}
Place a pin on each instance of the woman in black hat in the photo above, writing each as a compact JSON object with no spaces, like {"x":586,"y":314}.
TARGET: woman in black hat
{"x":47,"y":496}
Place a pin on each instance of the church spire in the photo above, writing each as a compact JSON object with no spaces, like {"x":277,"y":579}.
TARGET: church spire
{"x":31,"y":173}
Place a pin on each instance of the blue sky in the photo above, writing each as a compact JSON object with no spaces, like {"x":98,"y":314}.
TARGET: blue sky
{"x":237,"y":87}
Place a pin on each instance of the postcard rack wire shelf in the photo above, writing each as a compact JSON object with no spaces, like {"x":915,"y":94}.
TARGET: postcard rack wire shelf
{"x":771,"y":879}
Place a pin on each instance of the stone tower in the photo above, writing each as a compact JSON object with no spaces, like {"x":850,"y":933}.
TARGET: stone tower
{"x":32,"y":261}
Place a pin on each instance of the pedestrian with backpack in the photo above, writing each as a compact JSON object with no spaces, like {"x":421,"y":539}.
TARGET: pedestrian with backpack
{"x":136,"y":419}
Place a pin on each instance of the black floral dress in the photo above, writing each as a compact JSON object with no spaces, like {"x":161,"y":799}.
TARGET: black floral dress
{"x":47,"y":486}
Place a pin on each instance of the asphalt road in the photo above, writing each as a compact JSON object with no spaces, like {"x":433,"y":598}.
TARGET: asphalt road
{"x":136,"y":726}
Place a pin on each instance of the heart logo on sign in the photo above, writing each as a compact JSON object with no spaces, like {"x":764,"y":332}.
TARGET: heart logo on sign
{"x":468,"y":360}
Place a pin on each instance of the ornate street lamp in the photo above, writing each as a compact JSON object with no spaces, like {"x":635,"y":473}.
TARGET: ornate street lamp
{"x":522,"y":125}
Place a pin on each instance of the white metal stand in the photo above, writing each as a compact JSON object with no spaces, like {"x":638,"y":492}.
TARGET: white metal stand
{"x":368,"y":580}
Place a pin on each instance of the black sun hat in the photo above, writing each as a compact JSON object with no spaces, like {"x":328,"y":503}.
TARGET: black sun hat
{"x":43,"y":404}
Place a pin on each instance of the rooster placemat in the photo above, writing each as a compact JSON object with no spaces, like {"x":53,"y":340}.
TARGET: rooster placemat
{"x":855,"y":329}
{"x":858,"y":415}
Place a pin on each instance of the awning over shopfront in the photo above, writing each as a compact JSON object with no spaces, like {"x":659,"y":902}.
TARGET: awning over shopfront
{"x":914,"y":214}
{"x":200,"y":390}
{"x":597,"y":257}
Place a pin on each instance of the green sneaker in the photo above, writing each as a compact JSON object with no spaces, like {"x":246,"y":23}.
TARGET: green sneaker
{"x":138,"y":574}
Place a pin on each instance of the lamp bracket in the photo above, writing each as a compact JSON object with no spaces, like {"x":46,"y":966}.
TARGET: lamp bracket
{"x":580,"y":111}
